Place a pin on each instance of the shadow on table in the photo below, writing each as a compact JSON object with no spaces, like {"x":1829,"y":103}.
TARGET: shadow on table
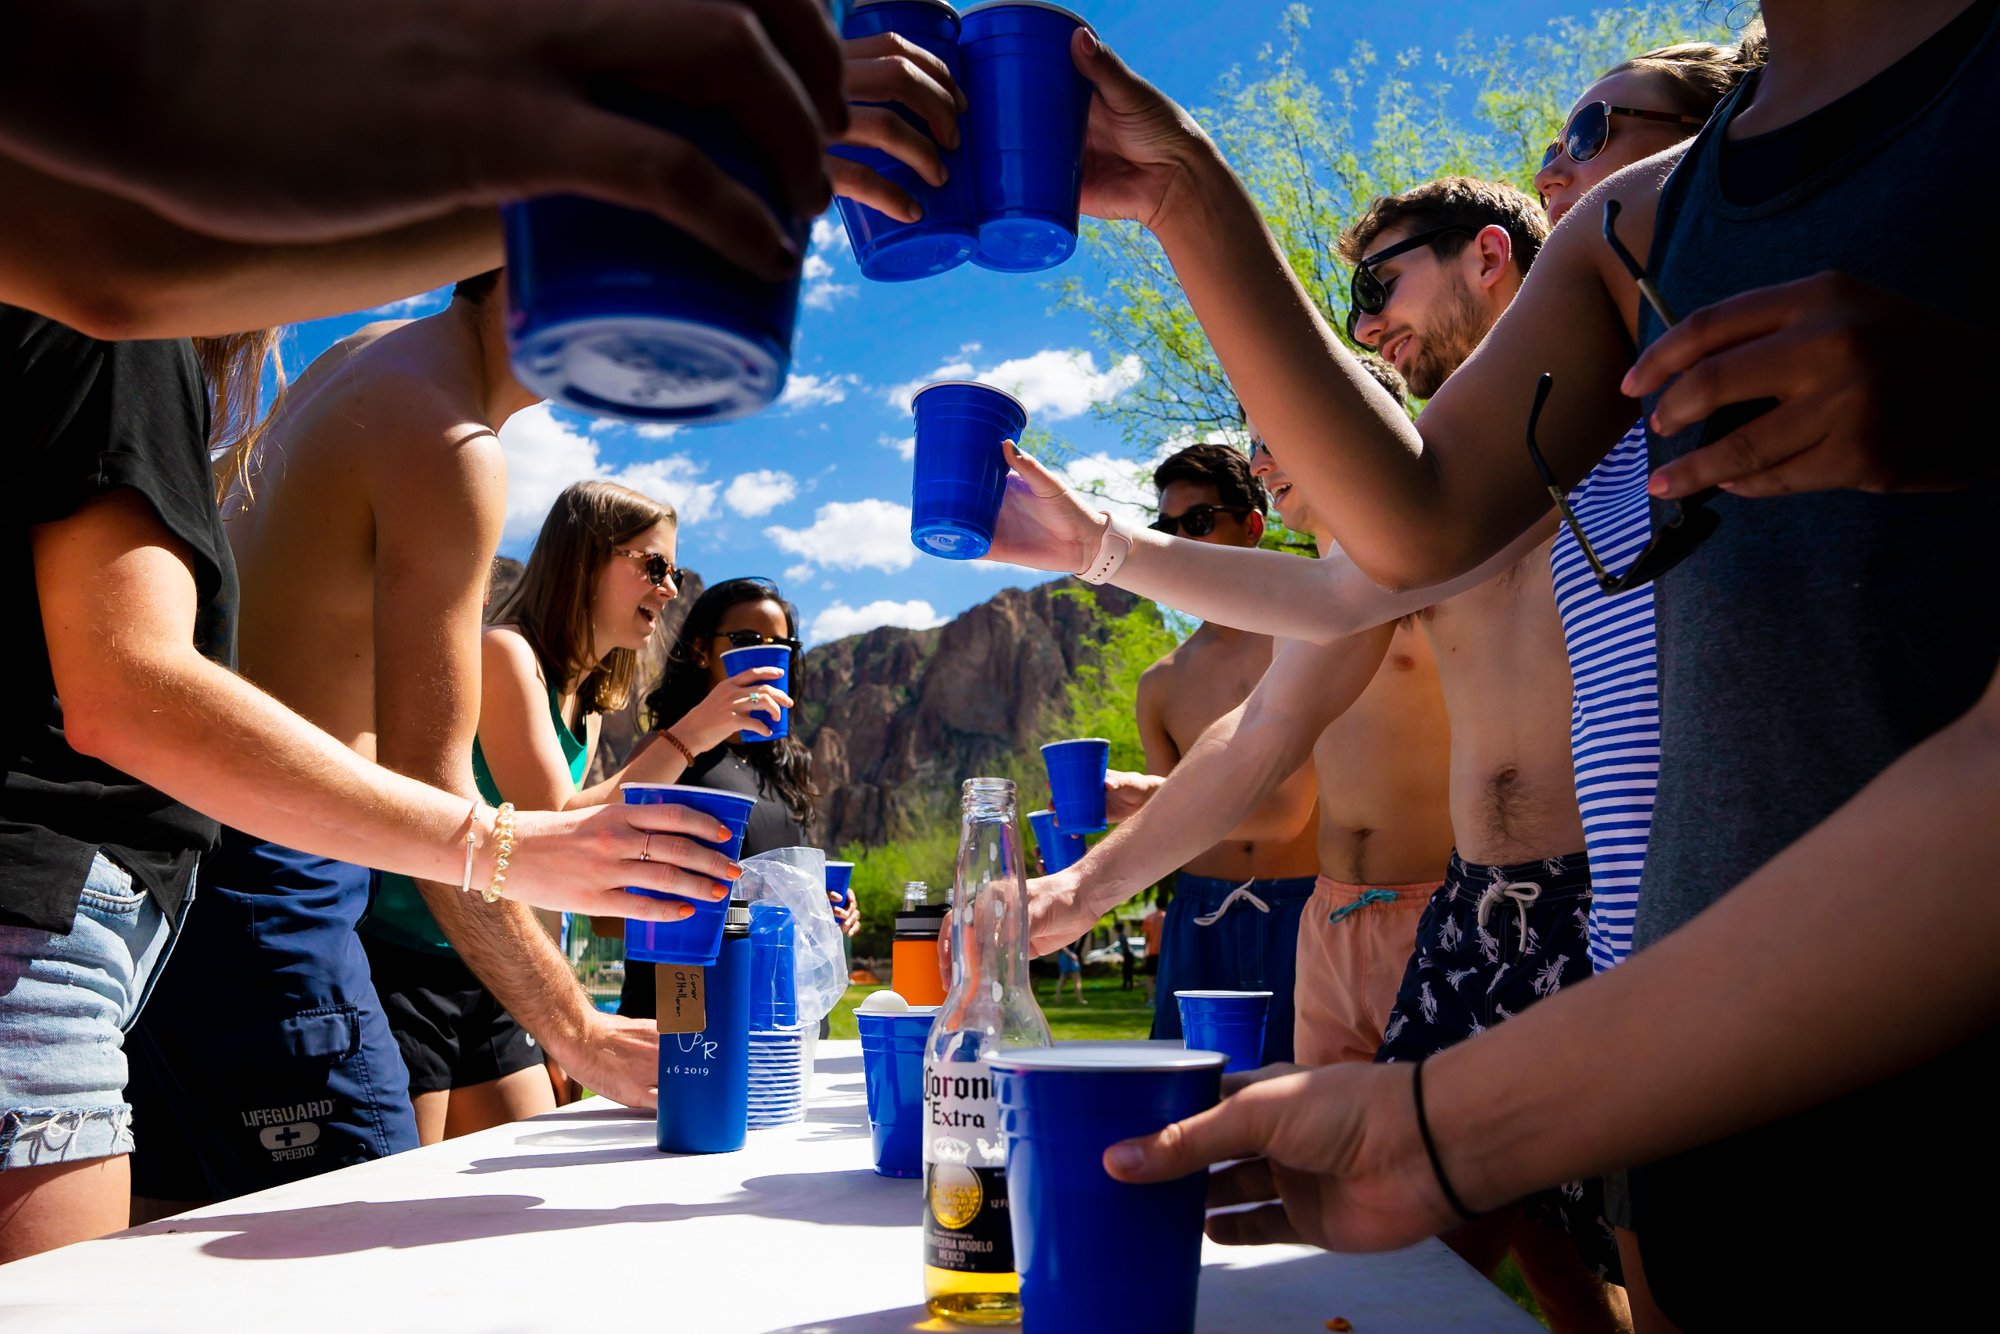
{"x":837,"y":1199}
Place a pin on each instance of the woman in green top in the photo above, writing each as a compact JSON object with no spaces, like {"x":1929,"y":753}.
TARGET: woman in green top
{"x":559,"y":654}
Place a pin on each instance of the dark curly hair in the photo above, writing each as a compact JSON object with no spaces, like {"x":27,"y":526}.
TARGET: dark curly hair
{"x":784,"y":764}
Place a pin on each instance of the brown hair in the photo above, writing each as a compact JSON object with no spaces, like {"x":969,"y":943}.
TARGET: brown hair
{"x":551,"y":604}
{"x":232,"y":367}
{"x":1698,"y":75}
{"x":1387,"y":376}
{"x":1221,"y":466}
{"x":1452,"y":201}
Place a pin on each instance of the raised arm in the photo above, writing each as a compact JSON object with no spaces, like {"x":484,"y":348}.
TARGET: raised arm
{"x":1414,"y":504}
{"x":1239,"y":761}
{"x":114,"y":269}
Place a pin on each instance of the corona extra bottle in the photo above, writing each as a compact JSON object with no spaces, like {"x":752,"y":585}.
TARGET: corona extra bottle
{"x":968,"y":1245}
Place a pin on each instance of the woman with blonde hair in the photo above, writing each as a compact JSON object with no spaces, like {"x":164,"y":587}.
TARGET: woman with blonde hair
{"x":559,"y":653}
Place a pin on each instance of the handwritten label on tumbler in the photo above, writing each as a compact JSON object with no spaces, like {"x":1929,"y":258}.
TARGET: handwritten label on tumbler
{"x":682,"y":997}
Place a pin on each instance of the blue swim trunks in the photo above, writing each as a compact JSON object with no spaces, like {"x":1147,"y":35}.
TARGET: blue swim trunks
{"x":263,"y":1056}
{"x":1232,"y":935}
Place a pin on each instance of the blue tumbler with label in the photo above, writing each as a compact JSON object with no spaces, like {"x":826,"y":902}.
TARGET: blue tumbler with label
{"x":619,"y":313}
{"x":945,"y":236}
{"x":705,"y":1076}
{"x":1029,"y":110}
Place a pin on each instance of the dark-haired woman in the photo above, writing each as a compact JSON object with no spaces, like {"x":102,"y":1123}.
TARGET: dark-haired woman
{"x":559,"y":655}
{"x":737,"y":613}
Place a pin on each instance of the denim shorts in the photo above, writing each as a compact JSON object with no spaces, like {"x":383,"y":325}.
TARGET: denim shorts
{"x":66,"y":1003}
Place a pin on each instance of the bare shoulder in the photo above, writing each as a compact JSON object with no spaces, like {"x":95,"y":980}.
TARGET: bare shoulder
{"x":504,"y":647}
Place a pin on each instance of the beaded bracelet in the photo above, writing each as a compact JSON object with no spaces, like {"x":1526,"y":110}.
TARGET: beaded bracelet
{"x":503,"y":837}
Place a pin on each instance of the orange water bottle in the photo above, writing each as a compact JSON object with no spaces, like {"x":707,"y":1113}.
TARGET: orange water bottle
{"x":913,"y":954}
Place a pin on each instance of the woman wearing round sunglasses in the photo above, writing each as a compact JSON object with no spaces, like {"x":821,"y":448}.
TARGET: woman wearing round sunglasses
{"x":736,"y":613}
{"x":560,"y":653}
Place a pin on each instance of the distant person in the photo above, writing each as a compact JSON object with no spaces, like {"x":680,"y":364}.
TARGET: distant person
{"x":1068,"y":969}
{"x":1234,"y":924}
{"x":133,"y":738}
{"x":1151,"y":928}
{"x":1126,"y":962}
{"x":736,"y":613}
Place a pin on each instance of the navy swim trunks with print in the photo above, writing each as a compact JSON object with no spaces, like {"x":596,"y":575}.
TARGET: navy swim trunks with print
{"x":1492,"y":942}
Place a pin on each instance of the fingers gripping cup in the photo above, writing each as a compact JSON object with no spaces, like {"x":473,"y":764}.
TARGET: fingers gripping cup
{"x":1076,"y":783}
{"x":738,"y":660}
{"x":1061,"y":1107}
{"x":960,"y":472}
{"x":616,"y":312}
{"x":694,"y":939}
{"x":1059,"y":851}
{"x":839,"y":882}
{"x":1027,"y":112}
{"x":1231,"y":1022}
{"x":945,"y":236}
{"x":892,"y":1063}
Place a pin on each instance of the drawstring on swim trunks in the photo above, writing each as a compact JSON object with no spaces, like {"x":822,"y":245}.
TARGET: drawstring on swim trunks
{"x":1242,"y":892}
{"x":1368,"y":896}
{"x":1522,"y":892}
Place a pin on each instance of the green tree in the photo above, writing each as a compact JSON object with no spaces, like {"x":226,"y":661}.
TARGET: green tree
{"x":1313,"y":151}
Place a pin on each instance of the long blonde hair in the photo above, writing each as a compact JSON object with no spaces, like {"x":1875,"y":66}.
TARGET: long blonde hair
{"x":1699,"y":75}
{"x":551,"y":604}
{"x":232,"y":366}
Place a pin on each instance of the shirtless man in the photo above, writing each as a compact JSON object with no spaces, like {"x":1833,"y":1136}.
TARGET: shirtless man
{"x":1234,"y":921}
{"x":1507,"y":926}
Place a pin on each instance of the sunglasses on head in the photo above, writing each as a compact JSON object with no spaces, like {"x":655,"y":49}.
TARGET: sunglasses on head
{"x":756,"y":639}
{"x":1366,"y":294}
{"x":1589,"y":130}
{"x":659,"y":571}
{"x":1691,"y":522}
{"x":1195,"y":520}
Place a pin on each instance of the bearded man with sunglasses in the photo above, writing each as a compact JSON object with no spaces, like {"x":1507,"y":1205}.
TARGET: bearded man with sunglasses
{"x":1234,"y":921}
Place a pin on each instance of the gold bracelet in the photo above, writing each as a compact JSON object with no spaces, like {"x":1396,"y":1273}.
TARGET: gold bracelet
{"x":471,"y":845}
{"x":503,"y":836}
{"x":678,"y":745}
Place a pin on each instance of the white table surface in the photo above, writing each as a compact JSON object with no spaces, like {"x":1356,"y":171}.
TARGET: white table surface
{"x":575,"y":1222}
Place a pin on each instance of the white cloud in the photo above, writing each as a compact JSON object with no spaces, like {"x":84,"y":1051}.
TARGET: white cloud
{"x":828,"y":234}
{"x":852,"y":535}
{"x":905,"y":446}
{"x":821,"y":292}
{"x":752,"y":494}
{"x":410,"y":307}
{"x":546,"y":454}
{"x":1054,"y":383}
{"x":1121,"y":485}
{"x":798,"y":574}
{"x":815,"y":391}
{"x":825,"y":295}
{"x":840,"y":620}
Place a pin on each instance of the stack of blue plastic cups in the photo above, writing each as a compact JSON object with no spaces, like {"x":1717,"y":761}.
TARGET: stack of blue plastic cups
{"x":777,"y":1039}
{"x":945,"y":236}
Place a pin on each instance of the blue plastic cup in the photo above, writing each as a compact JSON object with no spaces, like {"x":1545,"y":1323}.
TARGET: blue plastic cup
{"x":1059,"y":851}
{"x":618,"y":313}
{"x":705,"y":1076}
{"x":737,"y":660}
{"x":892,"y":1064}
{"x":1076,"y":783}
{"x":691,"y":940}
{"x":961,"y":472}
{"x":1231,"y":1022}
{"x":1061,"y":1107}
{"x":1028,"y":110}
{"x":945,"y":236}
{"x":839,"y":882}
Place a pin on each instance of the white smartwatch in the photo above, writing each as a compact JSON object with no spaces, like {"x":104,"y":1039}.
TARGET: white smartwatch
{"x":1112,"y":549}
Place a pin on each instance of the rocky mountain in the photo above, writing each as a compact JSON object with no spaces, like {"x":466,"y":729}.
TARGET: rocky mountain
{"x":896,"y":718}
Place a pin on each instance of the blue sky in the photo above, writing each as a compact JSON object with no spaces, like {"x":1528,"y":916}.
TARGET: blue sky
{"x":814,"y":492}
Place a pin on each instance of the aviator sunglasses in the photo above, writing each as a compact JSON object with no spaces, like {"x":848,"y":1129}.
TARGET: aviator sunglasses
{"x":657,"y":569}
{"x":1366,"y":294}
{"x":1195,"y":520}
{"x":1689,"y":524}
{"x":1589,"y":130}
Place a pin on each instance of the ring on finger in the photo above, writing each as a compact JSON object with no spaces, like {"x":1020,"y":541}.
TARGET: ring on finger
{"x":646,"y":849}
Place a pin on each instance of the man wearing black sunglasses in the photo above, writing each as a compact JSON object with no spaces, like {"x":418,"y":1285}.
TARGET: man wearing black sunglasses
{"x":1234,"y":921}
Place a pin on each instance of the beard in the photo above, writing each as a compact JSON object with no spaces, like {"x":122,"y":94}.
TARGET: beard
{"x":1443,"y":348}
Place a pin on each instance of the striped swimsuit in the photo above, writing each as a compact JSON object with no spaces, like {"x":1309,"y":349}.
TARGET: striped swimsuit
{"x":1615,"y":718}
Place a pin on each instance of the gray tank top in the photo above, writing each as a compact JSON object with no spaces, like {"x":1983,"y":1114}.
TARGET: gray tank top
{"x":1814,"y":639}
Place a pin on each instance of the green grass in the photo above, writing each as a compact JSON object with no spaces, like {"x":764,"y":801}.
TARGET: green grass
{"x":1110,"y":1013}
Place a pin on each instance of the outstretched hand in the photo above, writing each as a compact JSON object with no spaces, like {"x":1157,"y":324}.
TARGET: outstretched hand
{"x":1331,"y":1156}
{"x":1870,"y":392}
{"x":1042,"y":523}
{"x":1138,"y":143}
{"x":884,"y":69}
